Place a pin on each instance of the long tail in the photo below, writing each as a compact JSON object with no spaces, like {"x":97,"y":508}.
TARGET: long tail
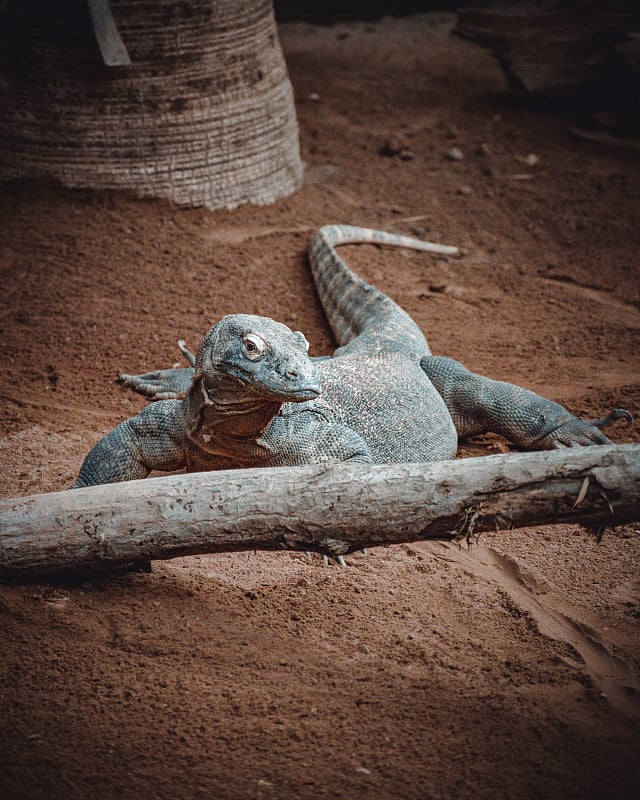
{"x":351,"y":304}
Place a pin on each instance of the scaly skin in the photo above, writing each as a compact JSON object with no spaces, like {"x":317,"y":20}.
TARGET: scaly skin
{"x":253,"y":397}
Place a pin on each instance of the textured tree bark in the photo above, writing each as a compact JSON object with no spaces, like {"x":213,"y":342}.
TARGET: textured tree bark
{"x":333,"y":508}
{"x":203,"y":115}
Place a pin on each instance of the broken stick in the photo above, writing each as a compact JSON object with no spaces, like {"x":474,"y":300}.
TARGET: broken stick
{"x":333,"y":508}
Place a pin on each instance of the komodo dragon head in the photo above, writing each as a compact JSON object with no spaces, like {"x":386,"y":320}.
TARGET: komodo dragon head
{"x":246,"y":368}
{"x":245,"y":357}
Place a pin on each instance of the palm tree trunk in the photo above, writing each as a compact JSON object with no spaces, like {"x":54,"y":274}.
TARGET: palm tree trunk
{"x":203,"y":115}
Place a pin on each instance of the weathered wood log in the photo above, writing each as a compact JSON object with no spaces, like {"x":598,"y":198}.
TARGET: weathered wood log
{"x":331,"y":508}
{"x":561,"y":50}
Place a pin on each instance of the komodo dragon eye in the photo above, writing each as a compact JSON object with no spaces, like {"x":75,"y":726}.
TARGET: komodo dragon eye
{"x":253,"y":346}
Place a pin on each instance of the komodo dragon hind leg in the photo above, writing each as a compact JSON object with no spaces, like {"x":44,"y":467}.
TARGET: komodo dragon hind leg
{"x":478,"y":405}
{"x":163,"y":384}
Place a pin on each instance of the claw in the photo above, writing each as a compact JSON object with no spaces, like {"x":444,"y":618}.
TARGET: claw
{"x":186,"y":353}
{"x":339,"y":559}
{"x":164,"y":384}
{"x":139,"y":383}
{"x":614,"y":416}
{"x":326,"y":560}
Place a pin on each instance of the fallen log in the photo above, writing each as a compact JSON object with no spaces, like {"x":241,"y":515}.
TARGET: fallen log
{"x":332,"y":508}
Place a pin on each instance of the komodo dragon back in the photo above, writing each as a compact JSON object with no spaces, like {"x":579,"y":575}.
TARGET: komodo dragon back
{"x":375,"y":384}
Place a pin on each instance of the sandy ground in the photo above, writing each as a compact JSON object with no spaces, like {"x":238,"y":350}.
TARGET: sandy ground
{"x":507,"y":670}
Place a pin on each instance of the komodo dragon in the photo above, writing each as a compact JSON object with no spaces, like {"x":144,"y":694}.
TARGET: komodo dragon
{"x":255,"y":398}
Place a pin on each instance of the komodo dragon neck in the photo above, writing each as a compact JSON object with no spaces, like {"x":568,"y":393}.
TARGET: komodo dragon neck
{"x":227,"y":421}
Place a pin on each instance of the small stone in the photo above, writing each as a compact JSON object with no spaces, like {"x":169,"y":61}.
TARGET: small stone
{"x":52,"y":375}
{"x":483,"y":150}
{"x":313,"y":97}
{"x":465,"y":190}
{"x":455,"y":154}
{"x":397,"y":145}
{"x":529,"y":160}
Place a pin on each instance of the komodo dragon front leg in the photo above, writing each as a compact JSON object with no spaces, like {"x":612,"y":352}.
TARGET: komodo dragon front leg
{"x":163,"y":384}
{"x":481,"y":405}
{"x":152,"y":440}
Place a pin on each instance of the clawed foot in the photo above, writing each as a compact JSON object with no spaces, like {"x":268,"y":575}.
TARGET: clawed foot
{"x":614,"y":416}
{"x":165,"y":384}
{"x":576,"y":432}
{"x":328,"y":559}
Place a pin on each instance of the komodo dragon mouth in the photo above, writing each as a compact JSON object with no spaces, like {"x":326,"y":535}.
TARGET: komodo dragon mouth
{"x":287,"y":390}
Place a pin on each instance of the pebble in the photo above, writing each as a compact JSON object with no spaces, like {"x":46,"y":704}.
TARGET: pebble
{"x":397,"y":145}
{"x":455,"y":154}
{"x":529,"y":160}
